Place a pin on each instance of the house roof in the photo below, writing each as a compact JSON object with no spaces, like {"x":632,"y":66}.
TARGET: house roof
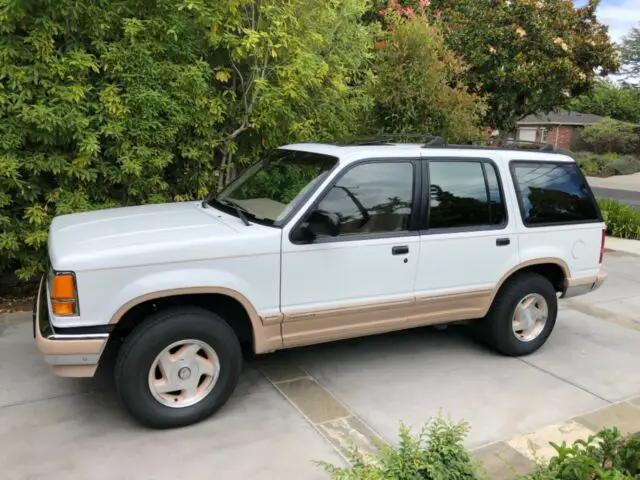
{"x":561,"y":117}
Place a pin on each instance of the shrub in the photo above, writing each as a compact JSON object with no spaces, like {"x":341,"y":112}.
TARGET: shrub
{"x":107,"y":103}
{"x":611,"y":136}
{"x":605,"y":455}
{"x":607,"y":164}
{"x":622,"y":220}
{"x":437,"y":452}
{"x":625,"y":165}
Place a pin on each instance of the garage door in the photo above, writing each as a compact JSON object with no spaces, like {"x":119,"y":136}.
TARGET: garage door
{"x":528,"y":134}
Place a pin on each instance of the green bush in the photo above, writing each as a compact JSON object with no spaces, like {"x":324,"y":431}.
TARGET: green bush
{"x":119,"y":102}
{"x":611,"y":136}
{"x":625,"y":165}
{"x":622,"y":220}
{"x":607,"y":164}
{"x":436,"y":453}
{"x":606,"y":455}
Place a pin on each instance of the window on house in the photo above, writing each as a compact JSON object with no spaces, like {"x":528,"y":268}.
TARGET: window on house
{"x":543,"y":135}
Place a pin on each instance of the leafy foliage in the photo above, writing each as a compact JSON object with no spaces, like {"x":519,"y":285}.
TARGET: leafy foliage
{"x":611,"y":136}
{"x":622,"y":221}
{"x":526,"y":56}
{"x":606,"y":455}
{"x":437,"y":452}
{"x":418,"y":85}
{"x":608,"y":99}
{"x":109,"y":103}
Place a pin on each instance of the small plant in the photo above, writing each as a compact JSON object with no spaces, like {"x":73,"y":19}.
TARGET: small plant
{"x":606,"y":455}
{"x":436,"y":452}
{"x":622,"y":220}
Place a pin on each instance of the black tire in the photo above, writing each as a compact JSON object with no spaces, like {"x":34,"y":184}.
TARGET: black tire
{"x":156,"y":333}
{"x":496,"y":328}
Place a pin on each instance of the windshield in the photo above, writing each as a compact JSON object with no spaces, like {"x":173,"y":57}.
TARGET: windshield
{"x":272,"y":188}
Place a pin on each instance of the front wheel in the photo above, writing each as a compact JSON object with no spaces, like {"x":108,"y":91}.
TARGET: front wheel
{"x":522,"y":316}
{"x":178,"y":367}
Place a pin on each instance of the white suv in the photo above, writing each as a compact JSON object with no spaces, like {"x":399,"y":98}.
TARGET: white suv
{"x":317,"y":242}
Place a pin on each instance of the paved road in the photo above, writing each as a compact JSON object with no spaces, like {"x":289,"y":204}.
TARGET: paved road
{"x":292,"y":406}
{"x":625,"y":196}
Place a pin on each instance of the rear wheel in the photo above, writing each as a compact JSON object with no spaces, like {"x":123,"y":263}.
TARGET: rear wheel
{"x":522,"y":317}
{"x":178,"y":367}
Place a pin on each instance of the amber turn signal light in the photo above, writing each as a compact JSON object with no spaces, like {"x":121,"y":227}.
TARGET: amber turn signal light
{"x":63,"y":294}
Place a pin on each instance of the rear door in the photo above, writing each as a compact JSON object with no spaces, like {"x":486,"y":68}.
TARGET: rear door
{"x":467,"y":239}
{"x":559,"y":216}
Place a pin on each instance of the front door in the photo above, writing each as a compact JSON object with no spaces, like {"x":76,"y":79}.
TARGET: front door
{"x":360,"y":281}
{"x":467,"y":241}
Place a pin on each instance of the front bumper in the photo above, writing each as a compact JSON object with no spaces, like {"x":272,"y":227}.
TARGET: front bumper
{"x":69,"y":355}
{"x":582,"y":286}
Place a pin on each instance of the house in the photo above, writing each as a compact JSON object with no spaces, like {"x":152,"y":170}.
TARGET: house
{"x":560,"y":128}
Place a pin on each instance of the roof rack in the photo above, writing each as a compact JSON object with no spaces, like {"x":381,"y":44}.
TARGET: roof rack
{"x":438,"y":141}
{"x":386,"y":138}
{"x":503,"y":145}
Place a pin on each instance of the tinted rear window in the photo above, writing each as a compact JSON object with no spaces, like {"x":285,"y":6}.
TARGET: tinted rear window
{"x":553,"y":193}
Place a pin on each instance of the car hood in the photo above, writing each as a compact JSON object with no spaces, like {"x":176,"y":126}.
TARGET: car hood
{"x":139,"y":235}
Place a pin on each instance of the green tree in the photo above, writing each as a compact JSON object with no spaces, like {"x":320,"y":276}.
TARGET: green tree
{"x":630,"y":54}
{"x":117,"y":102}
{"x":608,"y":99}
{"x":418,"y":83}
{"x":526,"y":56}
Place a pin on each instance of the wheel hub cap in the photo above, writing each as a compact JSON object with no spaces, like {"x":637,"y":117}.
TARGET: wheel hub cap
{"x":530,"y":317}
{"x":184,"y":373}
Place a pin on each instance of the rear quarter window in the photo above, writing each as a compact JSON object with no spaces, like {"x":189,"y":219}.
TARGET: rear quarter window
{"x":552,"y":193}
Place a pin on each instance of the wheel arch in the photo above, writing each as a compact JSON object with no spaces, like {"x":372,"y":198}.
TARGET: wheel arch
{"x":247,"y":324}
{"x":555,"y":270}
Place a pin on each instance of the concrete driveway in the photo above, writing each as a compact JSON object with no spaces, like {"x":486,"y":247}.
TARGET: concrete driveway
{"x":295,"y":407}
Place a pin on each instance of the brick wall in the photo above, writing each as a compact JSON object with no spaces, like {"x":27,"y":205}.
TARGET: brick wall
{"x":561,"y":136}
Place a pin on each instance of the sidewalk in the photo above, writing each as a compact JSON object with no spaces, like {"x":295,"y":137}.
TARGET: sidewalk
{"x":617,"y":182}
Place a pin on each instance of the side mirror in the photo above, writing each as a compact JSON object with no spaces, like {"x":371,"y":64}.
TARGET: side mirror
{"x":323,"y":223}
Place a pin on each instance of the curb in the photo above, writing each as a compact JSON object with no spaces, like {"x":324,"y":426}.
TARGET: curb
{"x":509,"y":459}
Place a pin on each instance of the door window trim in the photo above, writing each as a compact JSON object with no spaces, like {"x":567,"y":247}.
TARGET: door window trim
{"x":424,"y":223}
{"x":516,"y":185}
{"x":414,"y":218}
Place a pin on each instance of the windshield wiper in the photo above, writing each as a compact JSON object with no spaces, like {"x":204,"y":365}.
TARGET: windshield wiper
{"x":238,"y":210}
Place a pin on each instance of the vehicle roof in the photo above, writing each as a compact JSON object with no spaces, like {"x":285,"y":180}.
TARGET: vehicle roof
{"x":351,"y":153}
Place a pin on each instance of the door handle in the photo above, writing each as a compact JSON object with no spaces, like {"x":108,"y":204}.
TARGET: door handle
{"x":503,"y":242}
{"x":400,"y":250}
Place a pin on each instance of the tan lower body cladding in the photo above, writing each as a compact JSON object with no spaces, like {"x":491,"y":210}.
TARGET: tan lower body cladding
{"x":309,"y":327}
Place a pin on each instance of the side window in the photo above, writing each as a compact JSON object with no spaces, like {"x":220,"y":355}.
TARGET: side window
{"x":553,"y":194}
{"x":461,"y":196}
{"x":372,"y":198}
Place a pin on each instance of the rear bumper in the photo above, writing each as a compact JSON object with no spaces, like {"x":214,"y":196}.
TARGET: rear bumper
{"x":582,"y":286}
{"x":69,"y":355}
